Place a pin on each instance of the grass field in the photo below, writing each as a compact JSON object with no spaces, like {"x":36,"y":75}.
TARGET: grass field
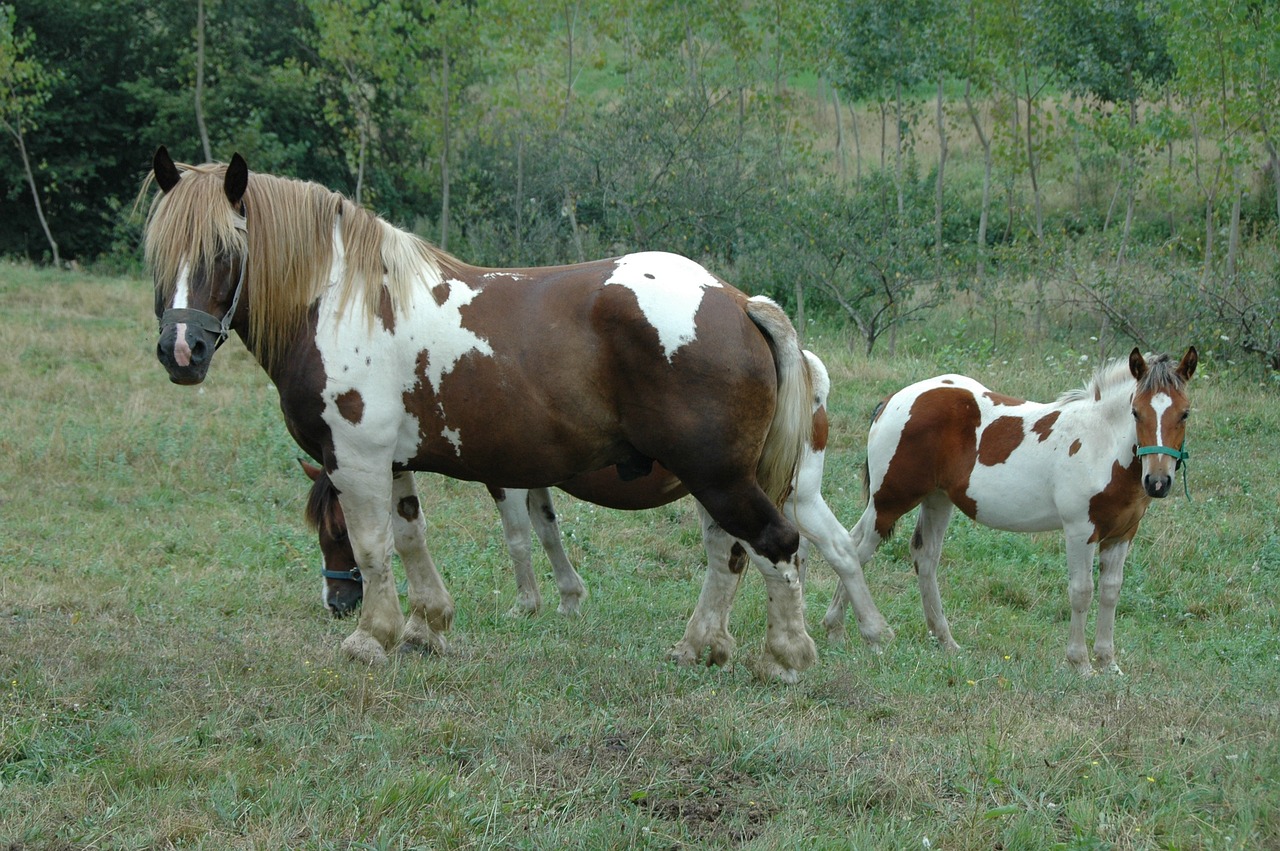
{"x":168,"y":679}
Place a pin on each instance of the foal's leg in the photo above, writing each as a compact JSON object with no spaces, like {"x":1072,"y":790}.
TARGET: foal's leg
{"x":543,"y":516}
{"x":430,"y":606}
{"x":366,"y":504}
{"x":1111,"y":556}
{"x":513,"y":508}
{"x":1080,"y":591}
{"x":708,"y":627}
{"x":926,"y":551}
{"x":817,"y":524}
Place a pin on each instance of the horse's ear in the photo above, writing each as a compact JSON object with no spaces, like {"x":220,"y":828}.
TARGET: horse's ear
{"x":313,"y":472}
{"x":237,"y":180}
{"x":1187,"y":366}
{"x":1137,"y":363}
{"x":167,"y":175}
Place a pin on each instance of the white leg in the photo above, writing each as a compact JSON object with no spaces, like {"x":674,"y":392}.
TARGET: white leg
{"x":366,"y":503}
{"x":708,"y":627}
{"x":864,"y":541}
{"x":1111,"y":556}
{"x":513,"y":508}
{"x":430,"y":605}
{"x":1080,"y":591}
{"x":926,"y":551}
{"x":542,"y":514}
{"x":816,"y":523}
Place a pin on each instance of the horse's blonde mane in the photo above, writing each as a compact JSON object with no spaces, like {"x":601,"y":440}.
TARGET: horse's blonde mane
{"x":289,"y":240}
{"x":1107,"y":380}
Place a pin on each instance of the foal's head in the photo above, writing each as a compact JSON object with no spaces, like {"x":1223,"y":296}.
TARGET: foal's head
{"x":1160,"y":409}
{"x":343,"y":588}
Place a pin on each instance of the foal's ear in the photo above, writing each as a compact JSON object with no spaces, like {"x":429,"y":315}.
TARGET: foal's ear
{"x":1137,"y":363}
{"x":1187,"y":366}
{"x":313,"y":472}
{"x":237,"y":180}
{"x":167,"y":175}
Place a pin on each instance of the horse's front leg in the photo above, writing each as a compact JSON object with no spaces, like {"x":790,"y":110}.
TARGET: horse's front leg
{"x":1111,"y":556}
{"x":708,"y":627}
{"x":1080,"y":592}
{"x":366,"y":503}
{"x":430,"y":606}
{"x":542,"y":514}
{"x":513,"y":508}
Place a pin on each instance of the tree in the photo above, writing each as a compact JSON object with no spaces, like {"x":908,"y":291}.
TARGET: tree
{"x":24,"y":87}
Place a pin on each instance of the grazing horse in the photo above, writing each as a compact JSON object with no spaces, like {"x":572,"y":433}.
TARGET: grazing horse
{"x":1089,"y":464}
{"x":392,"y":356}
{"x":526,"y":510}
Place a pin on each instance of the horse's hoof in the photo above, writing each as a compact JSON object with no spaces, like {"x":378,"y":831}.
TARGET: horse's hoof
{"x":520,"y":611}
{"x":363,"y":647}
{"x":684,"y":655}
{"x":421,"y":637}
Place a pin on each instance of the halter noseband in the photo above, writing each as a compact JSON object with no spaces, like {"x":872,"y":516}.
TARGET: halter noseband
{"x":352,"y":575}
{"x":207,"y":321}
{"x":1181,"y":454}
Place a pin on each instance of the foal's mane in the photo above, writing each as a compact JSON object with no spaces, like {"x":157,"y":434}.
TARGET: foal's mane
{"x":289,"y":243}
{"x":1114,"y":379}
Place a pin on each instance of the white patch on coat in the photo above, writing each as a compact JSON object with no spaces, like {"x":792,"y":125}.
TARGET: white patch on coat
{"x":669,"y":290}
{"x":381,"y":365}
{"x":1160,"y":403}
{"x":181,"y":297}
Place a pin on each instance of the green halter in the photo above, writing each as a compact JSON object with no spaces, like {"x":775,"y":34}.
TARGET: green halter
{"x":1180,"y":454}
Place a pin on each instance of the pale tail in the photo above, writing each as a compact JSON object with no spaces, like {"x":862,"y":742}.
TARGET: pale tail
{"x":792,"y":426}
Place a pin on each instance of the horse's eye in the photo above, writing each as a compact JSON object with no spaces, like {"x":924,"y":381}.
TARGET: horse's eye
{"x":1134,"y":411}
{"x":1185,"y":414}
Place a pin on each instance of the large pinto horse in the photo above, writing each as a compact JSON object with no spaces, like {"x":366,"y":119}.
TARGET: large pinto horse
{"x":1088,"y":463}
{"x":526,"y":511}
{"x":392,"y":356}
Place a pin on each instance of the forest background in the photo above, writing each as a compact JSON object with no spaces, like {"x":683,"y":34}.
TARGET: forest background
{"x":1061,"y":165}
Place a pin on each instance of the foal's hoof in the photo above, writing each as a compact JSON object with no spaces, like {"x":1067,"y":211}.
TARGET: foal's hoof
{"x":363,"y":647}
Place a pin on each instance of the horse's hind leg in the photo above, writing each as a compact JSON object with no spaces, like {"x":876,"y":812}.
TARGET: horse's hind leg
{"x":772,"y":543}
{"x":708,"y":627}
{"x":864,"y":541}
{"x":513,"y":508}
{"x":818,"y":524}
{"x":1111,"y":556}
{"x":430,"y":606}
{"x":926,"y":551}
{"x":542,"y":514}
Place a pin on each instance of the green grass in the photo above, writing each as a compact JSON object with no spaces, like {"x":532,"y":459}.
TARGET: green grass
{"x":167,"y":678}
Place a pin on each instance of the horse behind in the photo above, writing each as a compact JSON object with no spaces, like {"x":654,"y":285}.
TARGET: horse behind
{"x":1089,"y":463}
{"x":391,"y":356}
{"x":525,"y":511}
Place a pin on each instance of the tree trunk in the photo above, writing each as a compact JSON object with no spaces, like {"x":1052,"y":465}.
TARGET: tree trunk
{"x":204,"y":132}
{"x":983,"y":214}
{"x":897,"y":153}
{"x":1233,"y":235}
{"x":16,"y":131}
{"x":857,"y":148}
{"x":942,"y":167}
{"x":444,"y":150}
{"x":1031,"y":165}
{"x":840,"y":158}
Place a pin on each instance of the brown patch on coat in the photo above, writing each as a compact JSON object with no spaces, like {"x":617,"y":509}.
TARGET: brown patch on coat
{"x":999,"y":440}
{"x":440,"y":292}
{"x":1117,"y":508}
{"x":386,"y":312}
{"x":1002,"y":399}
{"x":737,"y":558}
{"x":936,"y":451}
{"x":1075,"y":447}
{"x":821,"y":429}
{"x":1044,"y":425}
{"x":408,"y":508}
{"x":351,"y":406}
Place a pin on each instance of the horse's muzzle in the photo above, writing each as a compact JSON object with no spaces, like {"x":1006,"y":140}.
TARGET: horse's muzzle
{"x":1158,"y":486}
{"x":342,"y":597}
{"x":185,"y":357}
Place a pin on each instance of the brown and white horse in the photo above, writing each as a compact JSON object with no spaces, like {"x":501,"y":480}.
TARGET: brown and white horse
{"x":1088,"y":463}
{"x":392,"y":356}
{"x":525,"y":511}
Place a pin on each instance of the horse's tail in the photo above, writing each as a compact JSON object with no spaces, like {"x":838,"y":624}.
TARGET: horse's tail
{"x":792,"y":426}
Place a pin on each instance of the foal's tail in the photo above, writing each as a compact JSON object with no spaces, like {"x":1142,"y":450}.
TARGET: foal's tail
{"x":792,"y":426}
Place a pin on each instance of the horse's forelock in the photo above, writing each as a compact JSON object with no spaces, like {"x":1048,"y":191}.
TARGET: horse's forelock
{"x":193,"y":224}
{"x":1162,"y":374}
{"x":321,"y":512}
